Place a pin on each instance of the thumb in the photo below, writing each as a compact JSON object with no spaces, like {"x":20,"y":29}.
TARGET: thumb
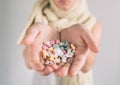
{"x":89,"y":40}
{"x":31,"y":34}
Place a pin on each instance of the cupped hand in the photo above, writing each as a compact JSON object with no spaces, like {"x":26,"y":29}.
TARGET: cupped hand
{"x":83,"y":40}
{"x":33,"y":40}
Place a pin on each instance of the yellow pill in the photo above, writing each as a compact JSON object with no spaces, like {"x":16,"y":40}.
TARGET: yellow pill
{"x":51,"y":49}
{"x":44,"y":54}
{"x":73,"y":46}
{"x":43,"y":51}
{"x":52,"y":58}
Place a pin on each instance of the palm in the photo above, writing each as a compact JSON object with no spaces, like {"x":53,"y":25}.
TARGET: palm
{"x":74,"y":35}
{"x":35,"y":37}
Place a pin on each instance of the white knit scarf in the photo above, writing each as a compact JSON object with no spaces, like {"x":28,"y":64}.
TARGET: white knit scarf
{"x":46,"y":11}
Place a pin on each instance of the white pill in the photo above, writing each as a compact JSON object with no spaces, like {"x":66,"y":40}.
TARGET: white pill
{"x":47,"y":43}
{"x":69,"y":50}
{"x":47,"y":62}
{"x":64,"y":59}
{"x":48,"y":53}
{"x":57,"y":60}
{"x":50,"y":62}
{"x":58,"y":52}
{"x":73,"y":51}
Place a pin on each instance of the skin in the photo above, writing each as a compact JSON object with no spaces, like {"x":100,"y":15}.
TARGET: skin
{"x":65,"y":4}
{"x":85,"y":56}
{"x":36,"y":35}
{"x":87,"y":45}
{"x":97,"y":33}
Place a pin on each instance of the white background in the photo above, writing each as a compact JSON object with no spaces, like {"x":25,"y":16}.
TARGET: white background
{"x":13,"y":16}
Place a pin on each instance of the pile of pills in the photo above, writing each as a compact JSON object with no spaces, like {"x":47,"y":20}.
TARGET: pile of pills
{"x":54,"y":52}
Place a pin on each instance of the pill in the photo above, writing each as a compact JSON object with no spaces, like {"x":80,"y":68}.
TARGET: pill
{"x":64,"y":51}
{"x":51,"y":49}
{"x":58,"y":52}
{"x":49,"y":46}
{"x":52,"y":42}
{"x":48,"y":53}
{"x":73,"y":51}
{"x":69,"y":50}
{"x":47,"y":62}
{"x":61,"y":47}
{"x":52,"y":58}
{"x":72,"y":46}
{"x":57,"y":60}
{"x":64,"y":59}
{"x":44,"y":47}
{"x":55,"y":46}
{"x":70,"y":55}
{"x":57,"y":41}
{"x":55,"y":51}
{"x":44,"y":54}
{"x":65,"y":43}
{"x":47,"y":43}
{"x":66,"y":48}
{"x":61,"y":43}
{"x":50,"y":62}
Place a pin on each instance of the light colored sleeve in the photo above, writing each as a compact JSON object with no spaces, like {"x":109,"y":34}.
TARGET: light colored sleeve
{"x":35,"y":16}
{"x":29,"y":23}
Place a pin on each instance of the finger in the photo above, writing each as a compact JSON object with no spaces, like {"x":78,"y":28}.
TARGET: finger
{"x":59,"y":67}
{"x":78,"y":63}
{"x":36,"y":53}
{"x":42,"y":73}
{"x":42,"y":60}
{"x":27,"y":57}
{"x":81,"y":46}
{"x":90,"y":41}
{"x":36,"y":61}
{"x":48,"y":70}
{"x":31,"y":33}
{"x":54,"y":66}
{"x":65,"y":69}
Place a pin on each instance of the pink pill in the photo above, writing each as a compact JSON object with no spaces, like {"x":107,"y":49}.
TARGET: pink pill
{"x":57,"y":41}
{"x":64,"y":51}
{"x":52,"y":42}
{"x":49,"y":46}
{"x":44,"y":47}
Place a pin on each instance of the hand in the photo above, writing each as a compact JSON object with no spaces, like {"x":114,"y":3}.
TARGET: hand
{"x":83,"y":40}
{"x":35,"y":36}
